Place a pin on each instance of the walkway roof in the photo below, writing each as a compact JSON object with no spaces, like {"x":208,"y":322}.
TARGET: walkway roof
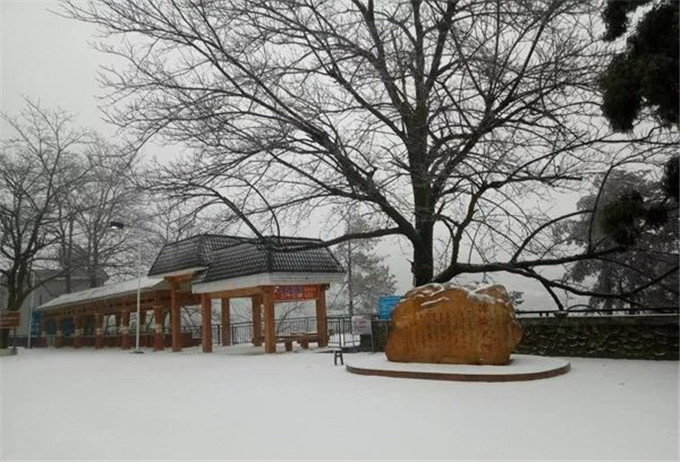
{"x":106,"y":292}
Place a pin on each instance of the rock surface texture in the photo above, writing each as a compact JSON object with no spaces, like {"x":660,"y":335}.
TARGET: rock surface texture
{"x":448,"y":323}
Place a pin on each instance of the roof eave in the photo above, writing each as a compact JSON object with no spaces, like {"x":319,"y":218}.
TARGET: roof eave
{"x":179,"y":272}
{"x":268,"y":279}
{"x":45,"y":307}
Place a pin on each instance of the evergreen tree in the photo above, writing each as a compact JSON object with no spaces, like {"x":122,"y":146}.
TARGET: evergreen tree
{"x":368,"y":278}
{"x":631,"y":211}
{"x":645,"y":74}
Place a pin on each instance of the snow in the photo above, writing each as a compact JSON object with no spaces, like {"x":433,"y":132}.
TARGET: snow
{"x":239,"y":403}
{"x":472,"y":291}
{"x":434,"y":302}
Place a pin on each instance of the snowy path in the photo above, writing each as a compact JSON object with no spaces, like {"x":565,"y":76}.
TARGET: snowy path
{"x":113,"y":405}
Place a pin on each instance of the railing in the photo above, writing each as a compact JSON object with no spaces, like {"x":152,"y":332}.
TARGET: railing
{"x":583,"y":310}
{"x":339,"y":330}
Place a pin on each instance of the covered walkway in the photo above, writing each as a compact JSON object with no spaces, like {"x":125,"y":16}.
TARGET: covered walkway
{"x":194,"y":272}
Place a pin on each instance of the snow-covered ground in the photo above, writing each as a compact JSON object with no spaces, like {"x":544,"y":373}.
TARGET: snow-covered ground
{"x":240,"y":404}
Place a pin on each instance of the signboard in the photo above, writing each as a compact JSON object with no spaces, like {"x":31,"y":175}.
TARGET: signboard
{"x":361,"y":324}
{"x":9,"y":319}
{"x":296,"y":293}
{"x":386,"y":305}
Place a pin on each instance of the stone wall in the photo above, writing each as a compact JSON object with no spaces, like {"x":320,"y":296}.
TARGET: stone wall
{"x":623,"y":337}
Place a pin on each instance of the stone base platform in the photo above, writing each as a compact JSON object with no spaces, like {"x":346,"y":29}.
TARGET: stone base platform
{"x":520,"y":368}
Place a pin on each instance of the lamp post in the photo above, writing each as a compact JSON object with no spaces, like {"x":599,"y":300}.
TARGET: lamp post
{"x":117,"y":225}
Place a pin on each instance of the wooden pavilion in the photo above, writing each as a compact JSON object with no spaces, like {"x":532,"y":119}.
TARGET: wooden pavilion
{"x":195,"y":271}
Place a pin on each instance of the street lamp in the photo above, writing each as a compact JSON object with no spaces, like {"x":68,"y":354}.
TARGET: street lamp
{"x":118,"y":225}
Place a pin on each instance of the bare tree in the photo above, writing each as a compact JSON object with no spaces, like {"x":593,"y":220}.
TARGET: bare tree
{"x":171,"y":220}
{"x":35,"y":172}
{"x":456,"y":118}
{"x":108,"y":195}
{"x":105,"y":193}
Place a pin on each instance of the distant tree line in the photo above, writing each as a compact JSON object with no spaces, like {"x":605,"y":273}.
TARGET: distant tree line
{"x":60,"y":188}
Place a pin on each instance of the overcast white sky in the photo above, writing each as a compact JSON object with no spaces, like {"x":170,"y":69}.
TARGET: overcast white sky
{"x":48,"y":58}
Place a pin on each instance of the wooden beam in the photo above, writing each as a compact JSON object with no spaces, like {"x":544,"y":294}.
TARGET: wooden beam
{"x":181,"y":277}
{"x":142,"y":319}
{"x":206,"y":323}
{"x":118,"y":317}
{"x":43,"y":331}
{"x":158,"y":328}
{"x":98,"y":331}
{"x":77,"y":330}
{"x":125,"y":339}
{"x":269,"y":321}
{"x":237,"y":293}
{"x":256,"y":305}
{"x":321,"y":321}
{"x":226,"y":322}
{"x":175,"y":317}
{"x":59,"y":334}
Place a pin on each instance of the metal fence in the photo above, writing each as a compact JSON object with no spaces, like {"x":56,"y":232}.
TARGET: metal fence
{"x":339,"y":330}
{"x":584,"y":310}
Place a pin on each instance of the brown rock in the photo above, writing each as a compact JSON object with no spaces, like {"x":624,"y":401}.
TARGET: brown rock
{"x":448,"y":323}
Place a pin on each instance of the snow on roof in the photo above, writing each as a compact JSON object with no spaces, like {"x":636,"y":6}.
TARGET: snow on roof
{"x":108,"y":291}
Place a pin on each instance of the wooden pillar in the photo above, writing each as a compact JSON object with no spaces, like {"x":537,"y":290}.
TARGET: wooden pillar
{"x":125,"y":339}
{"x":226,"y":322}
{"x":321,"y":322}
{"x":59,"y":334}
{"x":175,"y":318}
{"x":142,"y":320}
{"x":117,"y":318}
{"x":269,"y":321}
{"x":206,"y":323}
{"x":77,"y":330}
{"x":257,"y":319}
{"x":98,"y":331}
{"x":43,"y":332}
{"x":158,"y":317}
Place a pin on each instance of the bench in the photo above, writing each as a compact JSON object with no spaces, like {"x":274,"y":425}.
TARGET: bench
{"x":302,"y":338}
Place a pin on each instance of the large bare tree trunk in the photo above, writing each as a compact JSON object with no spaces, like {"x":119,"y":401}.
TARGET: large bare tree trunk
{"x":450,"y":120}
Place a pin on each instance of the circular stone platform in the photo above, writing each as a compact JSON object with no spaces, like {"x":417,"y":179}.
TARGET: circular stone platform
{"x":521,"y":367}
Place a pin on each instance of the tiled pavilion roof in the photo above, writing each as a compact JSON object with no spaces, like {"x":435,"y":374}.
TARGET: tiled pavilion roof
{"x":271,"y":255}
{"x":217,"y":257}
{"x":193,"y":252}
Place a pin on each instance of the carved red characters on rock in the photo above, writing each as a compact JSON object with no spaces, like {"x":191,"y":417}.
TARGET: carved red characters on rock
{"x":454,"y":324}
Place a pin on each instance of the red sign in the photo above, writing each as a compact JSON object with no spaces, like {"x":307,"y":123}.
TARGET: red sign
{"x":295,"y":293}
{"x":9,"y":319}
